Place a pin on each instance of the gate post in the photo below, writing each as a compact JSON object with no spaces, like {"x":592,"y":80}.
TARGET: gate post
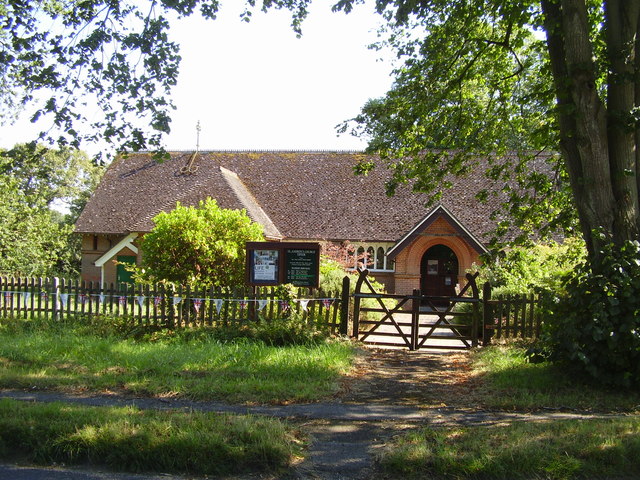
{"x":415,"y":318}
{"x":356,"y":302}
{"x":344,"y":313}
{"x":487,"y":314}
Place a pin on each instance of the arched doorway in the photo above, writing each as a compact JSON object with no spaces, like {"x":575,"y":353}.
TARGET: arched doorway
{"x":439,"y":272}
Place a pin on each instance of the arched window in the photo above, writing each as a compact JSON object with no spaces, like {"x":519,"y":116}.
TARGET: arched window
{"x":391,"y":264}
{"x":360,"y":258}
{"x":380,"y":258}
{"x":370,"y":257}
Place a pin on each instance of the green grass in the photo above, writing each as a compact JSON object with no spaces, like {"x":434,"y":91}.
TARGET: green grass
{"x":241,"y":371}
{"x":535,"y":449}
{"x":509,"y":382}
{"x":559,"y":450}
{"x":133,"y":440}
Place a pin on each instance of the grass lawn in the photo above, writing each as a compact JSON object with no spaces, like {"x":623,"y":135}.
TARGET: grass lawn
{"x":536,"y":449}
{"x":559,"y":450}
{"x":509,"y":382}
{"x":202,"y":368}
{"x":128,"y":439}
{"x":84,"y":355}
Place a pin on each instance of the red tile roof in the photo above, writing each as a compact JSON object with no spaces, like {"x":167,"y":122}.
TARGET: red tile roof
{"x":306,"y":195}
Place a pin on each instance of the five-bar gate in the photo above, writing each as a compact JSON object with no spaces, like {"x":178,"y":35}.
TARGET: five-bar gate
{"x":417,"y":321}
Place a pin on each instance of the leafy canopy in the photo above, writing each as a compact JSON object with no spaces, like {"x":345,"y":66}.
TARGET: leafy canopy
{"x":202,"y":245}
{"x":35,"y":237}
{"x":472,"y":90}
{"x":64,"y":59}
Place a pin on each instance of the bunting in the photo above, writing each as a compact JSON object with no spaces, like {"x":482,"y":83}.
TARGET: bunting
{"x":26,"y":296}
{"x":197,"y":303}
{"x":261,"y":304}
{"x":141,"y":300}
{"x":218,"y":302}
{"x":64,"y":298}
{"x":304,"y":304}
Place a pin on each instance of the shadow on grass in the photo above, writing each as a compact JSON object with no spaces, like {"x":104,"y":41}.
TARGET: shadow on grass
{"x":508,"y":381}
{"x":564,"y":449}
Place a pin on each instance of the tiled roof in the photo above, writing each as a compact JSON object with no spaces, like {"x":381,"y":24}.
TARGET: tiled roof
{"x":306,"y":195}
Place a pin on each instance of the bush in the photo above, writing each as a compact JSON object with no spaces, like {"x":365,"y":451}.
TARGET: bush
{"x":595,"y":324}
{"x":538,"y":267}
{"x":280,"y":332}
{"x":199,"y":246}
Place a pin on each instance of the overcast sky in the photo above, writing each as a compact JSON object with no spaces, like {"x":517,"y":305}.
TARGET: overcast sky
{"x":256,"y":86}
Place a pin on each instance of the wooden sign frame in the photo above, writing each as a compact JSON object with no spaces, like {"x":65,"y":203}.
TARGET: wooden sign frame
{"x":277,"y":263}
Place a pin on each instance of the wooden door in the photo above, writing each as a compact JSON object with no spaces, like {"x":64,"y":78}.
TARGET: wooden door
{"x":439,"y":272}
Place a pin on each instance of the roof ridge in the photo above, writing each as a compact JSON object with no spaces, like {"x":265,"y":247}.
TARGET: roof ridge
{"x":251,"y":150}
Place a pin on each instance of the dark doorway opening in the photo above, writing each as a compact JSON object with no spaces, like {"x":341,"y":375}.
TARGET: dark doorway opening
{"x":439,"y":272}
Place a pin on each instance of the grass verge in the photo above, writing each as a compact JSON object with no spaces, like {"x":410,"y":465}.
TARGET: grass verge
{"x":509,"y":382}
{"x":558,"y":450}
{"x":128,"y":439}
{"x":202,"y":368}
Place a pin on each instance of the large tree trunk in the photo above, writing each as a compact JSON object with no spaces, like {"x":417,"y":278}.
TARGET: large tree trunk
{"x":621,"y":29}
{"x":597,"y":141}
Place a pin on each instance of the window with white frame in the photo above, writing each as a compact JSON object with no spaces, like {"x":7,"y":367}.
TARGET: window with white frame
{"x":373,"y":257}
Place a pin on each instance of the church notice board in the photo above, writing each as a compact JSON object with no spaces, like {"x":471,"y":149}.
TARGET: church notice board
{"x":275,"y":263}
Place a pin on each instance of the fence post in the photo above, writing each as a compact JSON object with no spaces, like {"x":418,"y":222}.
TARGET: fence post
{"x":415,"y":318}
{"x":56,"y":297}
{"x":344,"y":299}
{"x":487,"y":314}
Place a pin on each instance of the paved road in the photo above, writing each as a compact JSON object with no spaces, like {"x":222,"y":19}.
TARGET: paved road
{"x":345,"y":436}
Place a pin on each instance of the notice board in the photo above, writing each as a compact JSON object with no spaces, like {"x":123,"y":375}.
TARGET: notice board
{"x":275,"y":263}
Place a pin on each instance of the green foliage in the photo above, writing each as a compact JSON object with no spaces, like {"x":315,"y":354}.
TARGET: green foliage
{"x":202,"y":245}
{"x":36,"y":239}
{"x":114,"y":55}
{"x":332,"y":274}
{"x":472,"y":91}
{"x":537,"y":267}
{"x":595,"y":324}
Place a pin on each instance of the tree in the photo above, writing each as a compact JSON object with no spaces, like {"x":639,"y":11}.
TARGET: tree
{"x":203,"y":245}
{"x":35,"y":238}
{"x":114,"y":55}
{"x":485,"y":77}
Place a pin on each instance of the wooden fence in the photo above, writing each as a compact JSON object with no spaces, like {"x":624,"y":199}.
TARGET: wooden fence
{"x":510,"y":316}
{"x":169,"y":307}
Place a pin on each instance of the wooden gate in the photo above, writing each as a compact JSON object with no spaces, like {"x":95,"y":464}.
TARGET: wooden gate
{"x":417,"y":321}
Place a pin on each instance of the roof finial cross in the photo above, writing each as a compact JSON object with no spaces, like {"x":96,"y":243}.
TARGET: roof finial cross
{"x":198,"y":129}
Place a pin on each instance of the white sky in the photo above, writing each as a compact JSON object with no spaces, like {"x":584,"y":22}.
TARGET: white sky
{"x":256,"y":86}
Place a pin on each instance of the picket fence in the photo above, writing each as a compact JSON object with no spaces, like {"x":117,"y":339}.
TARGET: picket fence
{"x":511,"y":316}
{"x":167,"y":306}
